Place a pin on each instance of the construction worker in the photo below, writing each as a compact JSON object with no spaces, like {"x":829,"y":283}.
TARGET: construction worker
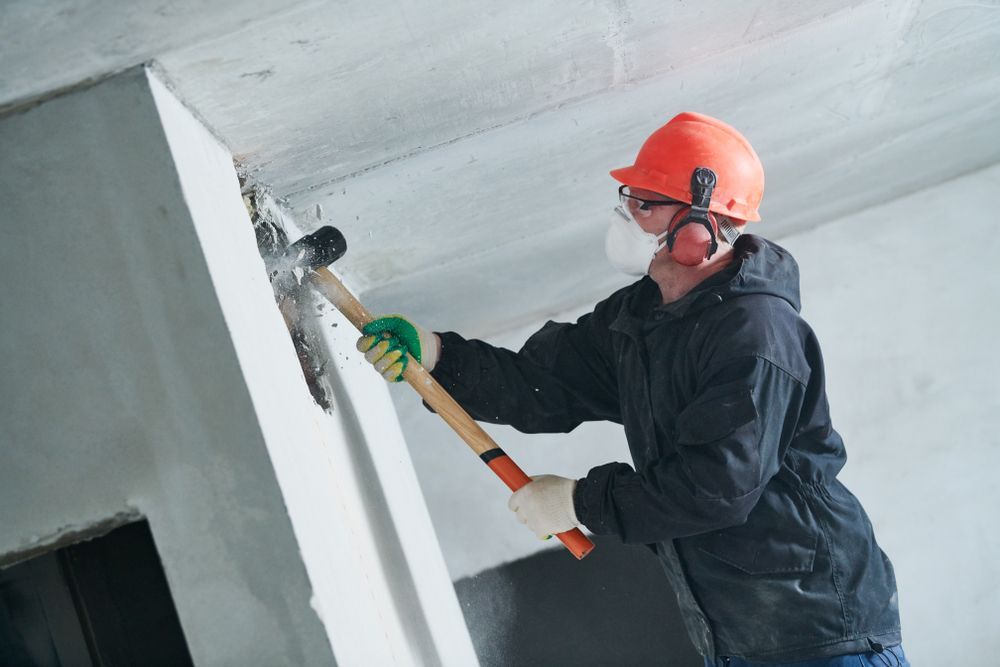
{"x":719,"y":383}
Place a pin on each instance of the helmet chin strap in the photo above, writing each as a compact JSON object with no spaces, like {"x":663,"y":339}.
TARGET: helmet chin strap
{"x":702,"y":185}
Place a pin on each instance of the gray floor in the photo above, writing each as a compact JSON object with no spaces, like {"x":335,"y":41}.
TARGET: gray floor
{"x":613,"y":608}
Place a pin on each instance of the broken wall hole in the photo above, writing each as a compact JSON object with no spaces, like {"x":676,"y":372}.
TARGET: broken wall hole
{"x":299,"y":306}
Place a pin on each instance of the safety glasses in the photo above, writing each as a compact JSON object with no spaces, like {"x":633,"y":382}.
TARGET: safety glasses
{"x":641,"y":207}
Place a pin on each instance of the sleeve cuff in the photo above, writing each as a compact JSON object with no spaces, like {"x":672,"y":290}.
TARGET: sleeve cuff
{"x":593,"y":499}
{"x":456,"y":366}
{"x":454,"y":361}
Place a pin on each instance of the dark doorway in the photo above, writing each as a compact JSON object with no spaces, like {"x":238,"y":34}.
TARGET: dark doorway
{"x":100,"y":602}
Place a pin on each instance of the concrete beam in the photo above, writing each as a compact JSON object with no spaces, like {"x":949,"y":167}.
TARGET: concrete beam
{"x":149,"y":374}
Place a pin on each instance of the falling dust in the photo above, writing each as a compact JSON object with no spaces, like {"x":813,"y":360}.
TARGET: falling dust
{"x":299,"y":305}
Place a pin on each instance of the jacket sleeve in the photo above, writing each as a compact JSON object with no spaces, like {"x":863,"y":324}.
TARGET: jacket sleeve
{"x":560,"y":378}
{"x":730,"y":441}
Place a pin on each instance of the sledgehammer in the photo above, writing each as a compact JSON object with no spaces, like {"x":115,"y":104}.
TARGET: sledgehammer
{"x":312,"y":254}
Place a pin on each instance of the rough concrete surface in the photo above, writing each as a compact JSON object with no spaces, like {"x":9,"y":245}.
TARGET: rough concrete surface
{"x":473,"y":139}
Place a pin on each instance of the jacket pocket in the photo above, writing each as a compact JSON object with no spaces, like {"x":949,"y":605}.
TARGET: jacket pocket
{"x":780,"y":536}
{"x":766,"y":558}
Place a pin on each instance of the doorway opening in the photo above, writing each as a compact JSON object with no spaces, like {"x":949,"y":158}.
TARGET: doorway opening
{"x":100,"y":602}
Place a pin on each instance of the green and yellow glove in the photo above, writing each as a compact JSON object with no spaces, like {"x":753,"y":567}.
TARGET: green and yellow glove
{"x":387,"y":339}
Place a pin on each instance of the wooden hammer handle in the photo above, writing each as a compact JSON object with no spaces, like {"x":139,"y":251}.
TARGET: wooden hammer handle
{"x":441,"y":401}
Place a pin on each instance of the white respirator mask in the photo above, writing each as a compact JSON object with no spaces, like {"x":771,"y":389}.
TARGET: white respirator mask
{"x":630,"y":248}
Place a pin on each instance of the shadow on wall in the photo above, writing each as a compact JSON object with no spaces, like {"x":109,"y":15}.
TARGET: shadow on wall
{"x":613,"y":608}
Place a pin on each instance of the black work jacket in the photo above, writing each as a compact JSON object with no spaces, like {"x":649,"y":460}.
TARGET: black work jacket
{"x":722,"y":398}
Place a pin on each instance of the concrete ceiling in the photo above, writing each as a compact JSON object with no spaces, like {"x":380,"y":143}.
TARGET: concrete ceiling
{"x":463,"y":148}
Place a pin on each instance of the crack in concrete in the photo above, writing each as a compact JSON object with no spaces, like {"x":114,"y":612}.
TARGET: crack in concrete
{"x":616,"y":39}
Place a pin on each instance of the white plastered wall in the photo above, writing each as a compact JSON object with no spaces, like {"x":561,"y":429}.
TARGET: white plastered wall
{"x":147,"y":372}
{"x":903,"y":298}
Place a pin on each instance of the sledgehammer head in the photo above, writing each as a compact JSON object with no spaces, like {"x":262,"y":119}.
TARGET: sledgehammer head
{"x":321,"y":248}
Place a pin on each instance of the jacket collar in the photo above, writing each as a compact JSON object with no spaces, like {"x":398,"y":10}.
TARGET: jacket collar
{"x":758,"y":267}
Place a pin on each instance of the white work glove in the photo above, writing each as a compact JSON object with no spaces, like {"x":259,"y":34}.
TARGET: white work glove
{"x":546,"y":505}
{"x":387,"y":339}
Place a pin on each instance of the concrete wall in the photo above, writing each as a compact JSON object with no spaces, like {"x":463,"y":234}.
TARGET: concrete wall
{"x":903,"y":299}
{"x":146,"y":371}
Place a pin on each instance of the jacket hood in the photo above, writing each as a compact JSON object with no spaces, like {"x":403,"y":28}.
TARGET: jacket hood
{"x":764,"y":267}
{"x":759,"y":266}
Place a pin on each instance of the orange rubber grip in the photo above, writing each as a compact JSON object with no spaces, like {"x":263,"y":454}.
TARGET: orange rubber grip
{"x":512,"y":475}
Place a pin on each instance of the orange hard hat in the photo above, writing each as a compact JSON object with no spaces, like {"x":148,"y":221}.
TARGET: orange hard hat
{"x":691,"y":140}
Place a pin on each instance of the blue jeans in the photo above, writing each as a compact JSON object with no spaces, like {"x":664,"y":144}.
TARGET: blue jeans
{"x":891,"y":656}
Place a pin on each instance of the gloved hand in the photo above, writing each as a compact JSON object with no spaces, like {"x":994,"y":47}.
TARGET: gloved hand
{"x":387,"y":340}
{"x":546,"y":505}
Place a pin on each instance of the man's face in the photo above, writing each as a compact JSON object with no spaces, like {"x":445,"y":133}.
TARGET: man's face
{"x":655,"y":219}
